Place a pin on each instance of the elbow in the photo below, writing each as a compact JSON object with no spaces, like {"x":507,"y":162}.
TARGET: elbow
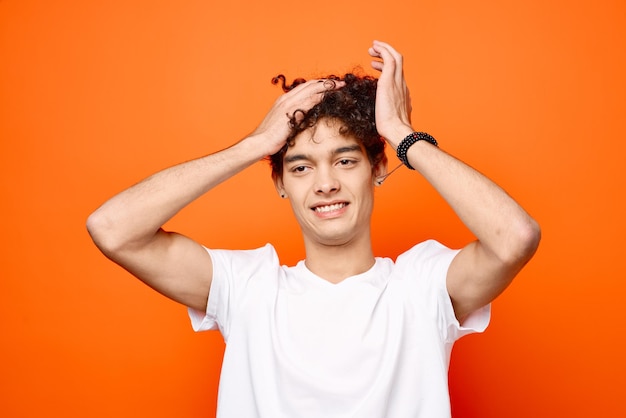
{"x":531,"y":237}
{"x":102,"y":232}
{"x":524,"y":243}
{"x":114,"y":236}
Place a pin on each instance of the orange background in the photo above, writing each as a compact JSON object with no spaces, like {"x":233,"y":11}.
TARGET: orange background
{"x":95,"y":96}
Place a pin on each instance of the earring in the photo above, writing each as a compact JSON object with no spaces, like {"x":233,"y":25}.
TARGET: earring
{"x":379,"y":180}
{"x":283,"y":195}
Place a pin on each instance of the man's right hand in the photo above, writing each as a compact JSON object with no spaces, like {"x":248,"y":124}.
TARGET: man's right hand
{"x":274,"y":129}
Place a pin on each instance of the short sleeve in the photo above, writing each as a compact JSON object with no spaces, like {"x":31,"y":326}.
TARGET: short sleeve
{"x":426,"y":265}
{"x":232,"y":271}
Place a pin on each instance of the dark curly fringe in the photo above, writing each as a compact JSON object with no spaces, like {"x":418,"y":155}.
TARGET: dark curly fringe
{"x":281,"y":78}
{"x":353,"y":105}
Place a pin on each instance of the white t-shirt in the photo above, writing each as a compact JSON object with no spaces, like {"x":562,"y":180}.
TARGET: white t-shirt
{"x":374,"y":345}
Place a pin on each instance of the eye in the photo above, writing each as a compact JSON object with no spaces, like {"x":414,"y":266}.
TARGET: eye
{"x":346,"y":162}
{"x":299,"y":169}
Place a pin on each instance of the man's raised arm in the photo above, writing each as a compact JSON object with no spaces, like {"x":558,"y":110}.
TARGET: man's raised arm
{"x":507,"y":237}
{"x":127,"y":228}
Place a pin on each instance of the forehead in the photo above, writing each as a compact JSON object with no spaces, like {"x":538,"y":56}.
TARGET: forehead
{"x":323,"y":138}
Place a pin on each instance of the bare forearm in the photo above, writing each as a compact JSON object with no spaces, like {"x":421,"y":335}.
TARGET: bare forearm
{"x":133,"y":216}
{"x":500,"y":224}
{"x":507,"y":235}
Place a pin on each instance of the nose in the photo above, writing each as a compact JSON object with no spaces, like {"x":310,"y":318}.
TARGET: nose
{"x":326,"y":182}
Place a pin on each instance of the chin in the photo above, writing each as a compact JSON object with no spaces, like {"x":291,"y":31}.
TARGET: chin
{"x":335,"y":240}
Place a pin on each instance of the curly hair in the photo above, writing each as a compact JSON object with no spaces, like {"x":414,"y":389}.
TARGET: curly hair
{"x":352,"y":104}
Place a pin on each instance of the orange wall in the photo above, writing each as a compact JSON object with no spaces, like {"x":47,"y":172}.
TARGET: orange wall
{"x":96,"y":95}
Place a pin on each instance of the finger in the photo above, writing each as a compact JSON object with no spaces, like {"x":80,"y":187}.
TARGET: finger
{"x":377,"y":65}
{"x":330,"y":84}
{"x":308,"y":94}
{"x":305,"y":85}
{"x":387,"y":64}
{"x":380,"y":50}
{"x":391,"y":50}
{"x":373,"y":52}
{"x":392,"y":61}
{"x":322,"y":84}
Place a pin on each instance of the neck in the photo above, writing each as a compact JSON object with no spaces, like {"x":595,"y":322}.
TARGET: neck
{"x":338,"y":262}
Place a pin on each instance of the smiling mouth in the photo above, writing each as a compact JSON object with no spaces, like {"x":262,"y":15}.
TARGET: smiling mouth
{"x":329,"y":208}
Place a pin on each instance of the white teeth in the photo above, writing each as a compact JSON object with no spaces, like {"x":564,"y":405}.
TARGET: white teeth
{"x":329,"y":208}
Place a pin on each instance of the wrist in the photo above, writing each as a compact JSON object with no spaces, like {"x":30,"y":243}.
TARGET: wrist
{"x":266,"y":143}
{"x":255,"y":147}
{"x":395,"y":136}
{"x":410,"y":140}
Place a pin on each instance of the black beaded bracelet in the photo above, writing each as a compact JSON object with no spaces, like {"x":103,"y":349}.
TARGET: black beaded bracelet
{"x":406,"y":143}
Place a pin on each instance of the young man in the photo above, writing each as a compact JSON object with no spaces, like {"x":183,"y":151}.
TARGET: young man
{"x":343,"y":333}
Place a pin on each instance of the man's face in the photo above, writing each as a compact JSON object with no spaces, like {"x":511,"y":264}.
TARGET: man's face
{"x":330,"y":183}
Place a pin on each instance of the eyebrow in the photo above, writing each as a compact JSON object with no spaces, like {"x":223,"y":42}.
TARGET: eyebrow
{"x":341,"y":150}
{"x":350,"y":148}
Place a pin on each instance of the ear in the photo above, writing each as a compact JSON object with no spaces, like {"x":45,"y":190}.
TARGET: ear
{"x":278,"y":184}
{"x":380,"y":172}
